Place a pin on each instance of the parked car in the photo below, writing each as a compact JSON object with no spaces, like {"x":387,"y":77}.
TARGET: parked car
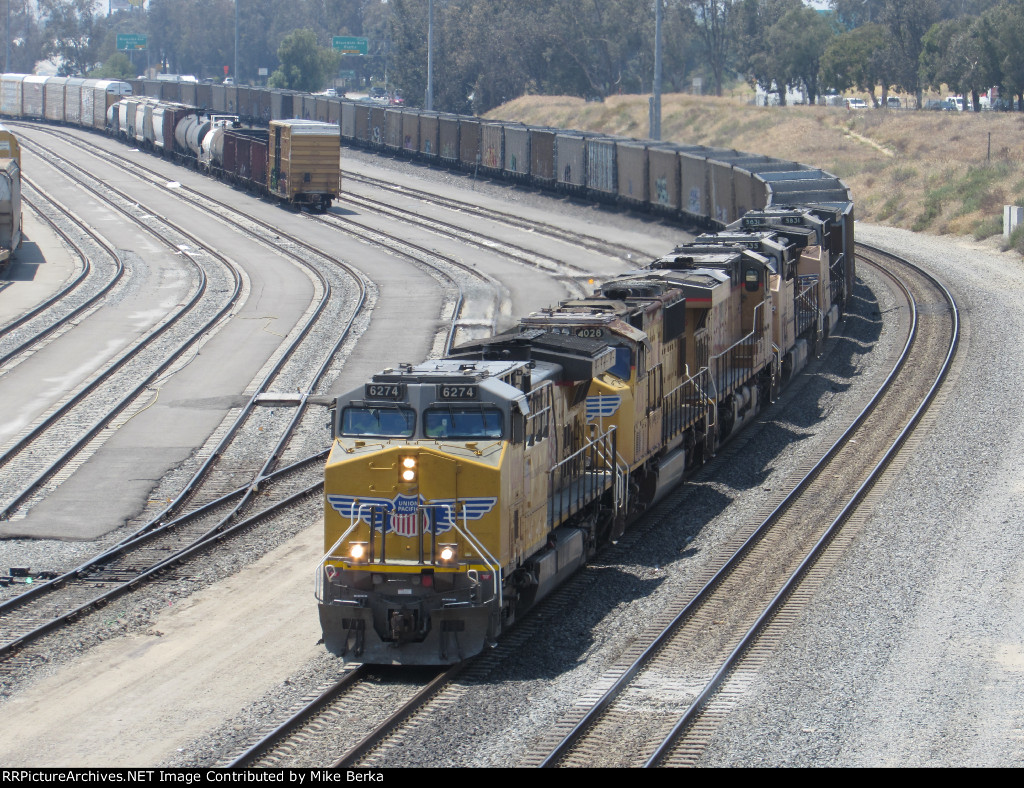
{"x":856,"y":103}
{"x":893,"y":103}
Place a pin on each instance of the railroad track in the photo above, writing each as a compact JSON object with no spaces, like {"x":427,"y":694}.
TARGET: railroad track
{"x":609,"y":248}
{"x":213,"y":508}
{"x":641,"y":701}
{"x":311,"y":734}
{"x":686,"y":672}
{"x":63,"y":437}
{"x":100,"y":269}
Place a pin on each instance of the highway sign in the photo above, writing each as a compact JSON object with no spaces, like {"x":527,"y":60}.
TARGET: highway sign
{"x":132,"y":41}
{"x":350,"y":45}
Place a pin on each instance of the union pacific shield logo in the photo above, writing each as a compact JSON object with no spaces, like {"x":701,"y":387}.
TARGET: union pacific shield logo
{"x":403,"y":518}
{"x":602,"y":406}
{"x":398,"y":515}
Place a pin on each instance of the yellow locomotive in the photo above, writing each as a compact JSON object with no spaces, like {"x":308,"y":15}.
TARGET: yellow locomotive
{"x":462,"y":490}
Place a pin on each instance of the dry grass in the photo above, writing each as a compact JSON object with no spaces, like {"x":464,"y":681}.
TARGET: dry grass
{"x":926,"y":171}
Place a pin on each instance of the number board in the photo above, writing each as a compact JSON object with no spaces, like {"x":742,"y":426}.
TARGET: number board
{"x":754,"y":221}
{"x":590,"y":332}
{"x":457,"y":391}
{"x":383,"y":391}
{"x":793,"y":220}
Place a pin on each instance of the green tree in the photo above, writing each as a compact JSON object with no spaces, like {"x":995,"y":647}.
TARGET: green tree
{"x":304,"y":64}
{"x":713,"y":22}
{"x":799,"y":40}
{"x":117,"y":66}
{"x":860,"y":58}
{"x":71,"y":34}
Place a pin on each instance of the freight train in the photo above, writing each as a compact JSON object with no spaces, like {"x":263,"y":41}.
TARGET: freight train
{"x":460,"y":491}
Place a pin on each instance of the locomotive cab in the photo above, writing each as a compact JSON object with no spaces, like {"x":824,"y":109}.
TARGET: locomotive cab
{"x":421,"y":565}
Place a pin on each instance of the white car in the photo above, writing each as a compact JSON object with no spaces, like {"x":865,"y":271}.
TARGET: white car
{"x":856,"y":103}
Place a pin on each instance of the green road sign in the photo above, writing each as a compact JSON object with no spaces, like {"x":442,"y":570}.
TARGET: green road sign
{"x":350,"y":45}
{"x":132,"y":41}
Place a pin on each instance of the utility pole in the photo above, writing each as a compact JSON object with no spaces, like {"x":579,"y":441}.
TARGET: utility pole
{"x":235,"y":74}
{"x":428,"y":104}
{"x":656,"y":98}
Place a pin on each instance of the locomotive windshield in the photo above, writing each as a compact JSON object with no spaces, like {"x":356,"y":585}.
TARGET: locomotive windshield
{"x":379,"y":422}
{"x":462,"y":422}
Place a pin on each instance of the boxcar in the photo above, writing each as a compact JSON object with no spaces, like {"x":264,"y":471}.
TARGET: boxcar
{"x":601,"y":171}
{"x":10,"y":95}
{"x":53,"y":98}
{"x":449,"y":132}
{"x":469,"y":142}
{"x":695,"y":191}
{"x":218,"y":99}
{"x":542,"y":156}
{"x":73,"y":100}
{"x":664,"y":179}
{"x":430,"y":128}
{"x":305,"y":162}
{"x":393,"y":129}
{"x":516,"y":159}
{"x":378,"y":121}
{"x":631,"y":170}
{"x":571,"y":161}
{"x":281,"y":105}
{"x":241,"y":161}
{"x":410,"y":131}
{"x":491,"y":144}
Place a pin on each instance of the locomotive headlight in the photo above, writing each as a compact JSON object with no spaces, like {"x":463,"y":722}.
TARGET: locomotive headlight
{"x":407,"y":469}
{"x":448,"y":555}
{"x":358,"y":552}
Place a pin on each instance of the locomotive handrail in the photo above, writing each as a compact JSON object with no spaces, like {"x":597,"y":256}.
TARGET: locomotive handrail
{"x":580,"y":471}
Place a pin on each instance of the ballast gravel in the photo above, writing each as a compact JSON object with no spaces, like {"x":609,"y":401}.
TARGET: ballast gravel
{"x":911,"y":654}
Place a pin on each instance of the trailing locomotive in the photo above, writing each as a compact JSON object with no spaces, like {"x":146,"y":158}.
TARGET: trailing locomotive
{"x":462,"y":490}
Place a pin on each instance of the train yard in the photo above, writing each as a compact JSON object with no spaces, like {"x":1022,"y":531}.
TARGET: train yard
{"x":476,"y":717}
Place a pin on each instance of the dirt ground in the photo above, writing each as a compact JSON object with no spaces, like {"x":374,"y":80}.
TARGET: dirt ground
{"x":134,"y":701}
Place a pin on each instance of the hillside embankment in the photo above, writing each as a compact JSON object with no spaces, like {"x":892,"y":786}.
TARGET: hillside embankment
{"x":935,"y":172}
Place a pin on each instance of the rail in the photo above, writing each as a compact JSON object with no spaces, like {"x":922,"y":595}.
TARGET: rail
{"x":737,"y":363}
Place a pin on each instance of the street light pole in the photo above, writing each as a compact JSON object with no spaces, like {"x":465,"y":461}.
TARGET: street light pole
{"x":428,"y":105}
{"x":235,"y":74}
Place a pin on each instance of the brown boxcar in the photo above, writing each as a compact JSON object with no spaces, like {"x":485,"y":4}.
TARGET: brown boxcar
{"x":542,"y":155}
{"x":393,"y":129}
{"x":378,"y":124}
{"x":449,"y":131}
{"x":491,"y":147}
{"x":410,"y":131}
{"x":631,"y":171}
{"x":430,"y":128}
{"x":469,"y":142}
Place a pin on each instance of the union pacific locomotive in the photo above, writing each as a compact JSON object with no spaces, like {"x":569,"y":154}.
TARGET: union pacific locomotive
{"x":462,"y":490}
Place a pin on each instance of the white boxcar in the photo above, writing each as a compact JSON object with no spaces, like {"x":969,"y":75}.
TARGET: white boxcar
{"x":53,"y":95}
{"x":10,"y":95}
{"x":32,"y":96}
